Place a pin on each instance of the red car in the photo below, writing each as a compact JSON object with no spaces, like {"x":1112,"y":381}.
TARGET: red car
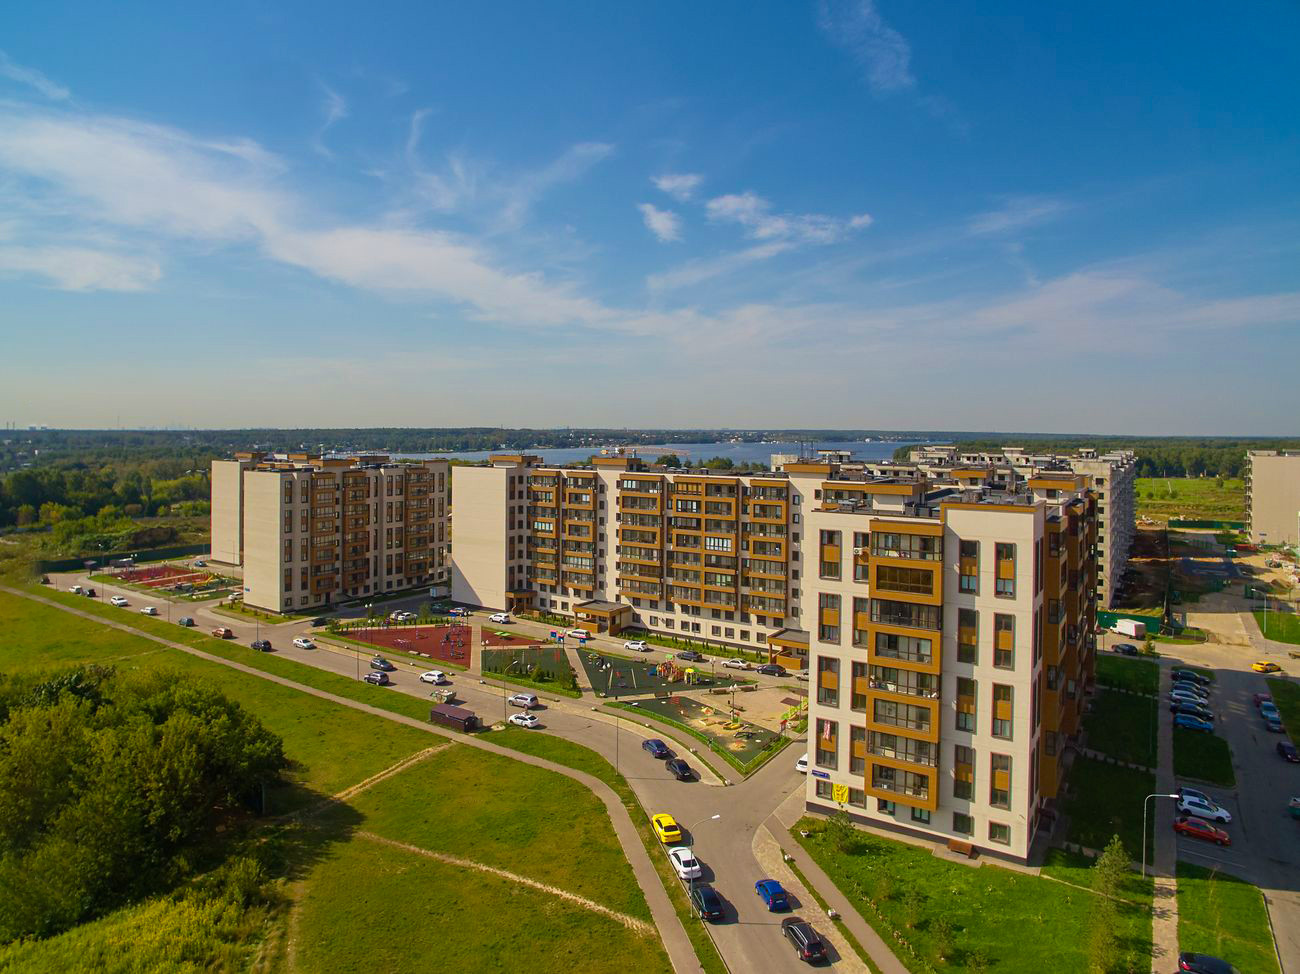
{"x":1262,"y":698}
{"x":1198,"y":828}
{"x":221,"y":632}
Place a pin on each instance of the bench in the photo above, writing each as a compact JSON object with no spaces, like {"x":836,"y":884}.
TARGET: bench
{"x":962,"y":848}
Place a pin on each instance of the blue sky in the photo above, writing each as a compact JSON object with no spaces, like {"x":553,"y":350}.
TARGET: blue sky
{"x":1015,"y":216}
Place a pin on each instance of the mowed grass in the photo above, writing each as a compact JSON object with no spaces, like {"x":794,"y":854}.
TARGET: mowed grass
{"x":1196,"y":498}
{"x":1123,"y":726}
{"x":374,"y":908}
{"x":1106,"y":800}
{"x":1021,"y":924}
{"x":1284,"y":627}
{"x":1134,"y":675}
{"x":1203,"y":757}
{"x":1225,"y":917}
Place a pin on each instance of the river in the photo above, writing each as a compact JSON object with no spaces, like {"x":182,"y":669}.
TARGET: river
{"x":695,"y":452}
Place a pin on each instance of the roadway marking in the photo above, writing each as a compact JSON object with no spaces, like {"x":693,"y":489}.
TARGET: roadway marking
{"x":1196,"y":853}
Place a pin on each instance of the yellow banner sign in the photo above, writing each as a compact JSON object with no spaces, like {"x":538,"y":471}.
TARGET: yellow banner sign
{"x":840,"y":793}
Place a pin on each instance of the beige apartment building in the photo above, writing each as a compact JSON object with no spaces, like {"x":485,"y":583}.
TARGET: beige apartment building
{"x":946,"y":623}
{"x":313,"y":531}
{"x":1273,"y":496}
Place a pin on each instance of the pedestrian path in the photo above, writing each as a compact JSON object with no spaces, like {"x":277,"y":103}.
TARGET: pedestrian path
{"x":1164,"y":921}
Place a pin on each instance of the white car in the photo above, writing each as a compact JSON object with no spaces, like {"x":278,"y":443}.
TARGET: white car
{"x":578,"y":634}
{"x":1203,"y":808}
{"x":684,"y":863}
{"x":802,"y":765}
{"x":401,"y":616}
{"x":523,"y":720}
{"x":200,"y":564}
{"x":436,"y":677}
{"x":149,"y":610}
{"x":802,"y":675}
{"x":118,"y":600}
{"x":499,"y":617}
{"x":1182,"y":696}
{"x":636,"y":646}
{"x":75,"y":589}
{"x":736,"y":664}
{"x":302,"y":642}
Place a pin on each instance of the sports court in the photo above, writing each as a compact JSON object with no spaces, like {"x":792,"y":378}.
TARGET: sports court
{"x":537,"y":662}
{"x":180,"y":579}
{"x":450,"y":644}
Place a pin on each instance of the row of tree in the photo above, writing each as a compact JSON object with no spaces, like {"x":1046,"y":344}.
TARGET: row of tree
{"x":64,"y":492}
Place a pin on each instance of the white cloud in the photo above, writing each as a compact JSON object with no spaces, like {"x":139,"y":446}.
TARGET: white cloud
{"x":698,"y":271}
{"x":882,"y":52}
{"x":664,"y":224}
{"x":32,"y":78}
{"x":81,"y":268}
{"x":755,"y":214}
{"x":334,"y":108}
{"x":1017,"y":213}
{"x":680,"y":186}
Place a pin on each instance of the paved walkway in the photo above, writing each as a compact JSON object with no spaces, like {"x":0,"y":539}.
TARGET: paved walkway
{"x":1164,"y":857}
{"x":678,"y":946}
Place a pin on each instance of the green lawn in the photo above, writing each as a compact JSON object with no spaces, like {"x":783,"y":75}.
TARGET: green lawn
{"x":1123,"y":673}
{"x":1226,"y":917}
{"x":1286,"y":695}
{"x":1123,"y":726}
{"x":1106,"y":800}
{"x":1281,"y":626}
{"x":1018,"y":922}
{"x":1196,"y":498}
{"x":1204,"y":757}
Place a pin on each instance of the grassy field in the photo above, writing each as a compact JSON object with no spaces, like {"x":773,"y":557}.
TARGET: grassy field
{"x":1225,"y":917}
{"x":1134,"y":675}
{"x":1287,"y":697}
{"x":916,"y":890}
{"x":1106,"y":800}
{"x":1204,"y":757}
{"x":1197,"y":498}
{"x":1123,"y":726}
{"x":1281,"y":626}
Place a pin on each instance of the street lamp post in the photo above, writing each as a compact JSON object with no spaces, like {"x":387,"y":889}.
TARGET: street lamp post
{"x":1144,"y":829}
{"x":691,"y":845}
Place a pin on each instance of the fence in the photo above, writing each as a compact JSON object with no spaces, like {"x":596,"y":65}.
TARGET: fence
{"x":104,"y":557}
{"x":1176,"y":523}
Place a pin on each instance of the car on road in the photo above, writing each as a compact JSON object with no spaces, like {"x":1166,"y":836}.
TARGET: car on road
{"x":772,"y":894}
{"x":656,"y":747}
{"x":802,"y":764}
{"x":525,"y":700}
{"x":499,"y":617}
{"x":1204,"y":808}
{"x":185,"y":621}
{"x":1125,"y":649}
{"x":576,"y":633}
{"x":1288,"y":752}
{"x":302,"y":642}
{"x":1199,"y":795}
{"x":1188,"y":722}
{"x":1198,"y":828}
{"x":685,"y":865}
{"x":806,"y":943}
{"x":801,"y":675}
{"x":1188,"y":686}
{"x":436,"y":677}
{"x":378,"y":679}
{"x":149,"y":610}
{"x":770,"y":669}
{"x":736,"y":663}
{"x":118,"y":601}
{"x":1269,"y":709}
{"x":707,"y":902}
{"x":1204,"y":964}
{"x":1187,"y":696}
{"x":379,"y":663}
{"x":680,"y":770}
{"x":1261,"y":698}
{"x":637,"y":646}
{"x":459,"y":610}
{"x":1264,"y":666}
{"x":524,"y":719}
{"x":666,"y":828}
{"x":1192,"y":710}
{"x":200,"y":563}
{"x":401,"y":615}
{"x":89,"y":593}
{"x":1273,"y":724}
{"x":1182,"y":673}
{"x":75,"y":589}
{"x":691,"y":656}
{"x":223,"y":632}
{"x":261,"y":645}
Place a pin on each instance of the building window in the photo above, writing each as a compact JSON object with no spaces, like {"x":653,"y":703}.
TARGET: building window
{"x":969,"y":567}
{"x":828,"y":618}
{"x":823,"y":788}
{"x":963,"y":824}
{"x":1006,"y":569}
{"x":963,"y":768}
{"x":1004,"y":641}
{"x":858,"y":692}
{"x":861,"y":567}
{"x":966,"y":704}
{"x":861,"y":615}
{"x":968,"y":636}
{"x":830,"y":554}
{"x":857,"y":750}
{"x":1002,"y":711}
{"x":857,"y":798}
{"x":999,"y":833}
{"x":827,"y":754}
{"x":1000,"y":781}
{"x":884,"y":807}
{"x":828,"y":681}
{"x":921,"y":815}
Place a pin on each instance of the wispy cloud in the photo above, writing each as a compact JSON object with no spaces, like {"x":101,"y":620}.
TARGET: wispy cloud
{"x":32,"y":78}
{"x":698,"y":271}
{"x":754,"y":213}
{"x":1017,"y":213}
{"x":81,"y":268}
{"x":664,"y":224}
{"x":333,"y":108}
{"x":882,"y":52}
{"x":680,"y":186}
{"x":573,"y":163}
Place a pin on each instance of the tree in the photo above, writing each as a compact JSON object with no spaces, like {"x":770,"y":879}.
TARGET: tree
{"x":1111,"y":868}
{"x":840,"y":830}
{"x":670,"y":460}
{"x":1108,"y":874}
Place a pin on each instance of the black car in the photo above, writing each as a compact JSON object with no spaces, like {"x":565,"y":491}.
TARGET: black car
{"x":379,"y":663}
{"x":707,"y":902}
{"x":261,"y":645}
{"x":319,"y":621}
{"x":90,"y":593}
{"x":1191,"y":709}
{"x":656,"y":747}
{"x":1178,"y":673}
{"x":1204,"y":964}
{"x":1287,"y":750}
{"x":185,"y":621}
{"x":378,"y":679}
{"x":770,"y":669}
{"x":807,"y":944}
{"x":690,"y":655}
{"x":1125,"y":649}
{"x":680,"y":769}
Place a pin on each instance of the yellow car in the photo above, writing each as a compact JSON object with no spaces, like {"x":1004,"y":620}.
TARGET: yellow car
{"x":1263,"y":666}
{"x":666,"y":828}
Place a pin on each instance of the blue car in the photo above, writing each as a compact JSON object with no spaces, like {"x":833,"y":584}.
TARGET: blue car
{"x":1193,"y":723}
{"x":656,"y":747}
{"x":772,"y":894}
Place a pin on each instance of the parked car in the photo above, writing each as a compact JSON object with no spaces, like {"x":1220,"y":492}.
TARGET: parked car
{"x":261,"y":645}
{"x":685,"y":865}
{"x":707,"y":902}
{"x":1179,"y":696}
{"x":149,"y":610}
{"x":200,"y":563}
{"x":1182,"y":673}
{"x":1188,"y":722}
{"x":185,"y":621}
{"x":1264,"y":666}
{"x":802,"y":765}
{"x":1269,"y":709}
{"x":772,"y":894}
{"x":666,"y":828}
{"x":1199,"y":795}
{"x":801,"y":675}
{"x":680,"y":769}
{"x":1261,"y":698}
{"x":499,"y":617}
{"x":1288,"y":752}
{"x":1125,"y":649}
{"x":75,"y":589}
{"x":1198,"y":828}
{"x":1273,"y":724}
{"x":302,"y":642}
{"x":637,"y":646}
{"x":1192,"y":710}
{"x":656,"y":747}
{"x":459,"y":610}
{"x":436,"y":677}
{"x":524,"y":719}
{"x":119,"y":601}
{"x":1204,"y":964}
{"x":770,"y":669}
{"x":691,"y":656}
{"x":89,"y":593}
{"x":807,"y":944}
{"x":1204,"y":808}
{"x":528,"y":701}
{"x":223,"y":632}
{"x":1188,"y":686}
{"x":578,"y":634}
{"x":379,"y":679}
{"x":379,"y":663}
{"x":736,"y":663}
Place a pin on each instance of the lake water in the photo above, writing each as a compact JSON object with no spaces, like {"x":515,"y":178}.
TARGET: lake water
{"x":695,"y":452}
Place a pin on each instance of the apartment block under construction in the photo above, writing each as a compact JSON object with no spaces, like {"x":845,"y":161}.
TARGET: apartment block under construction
{"x":946,"y":623}
{"x":312,"y":531}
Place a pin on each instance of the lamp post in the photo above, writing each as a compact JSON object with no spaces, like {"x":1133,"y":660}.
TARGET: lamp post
{"x":691,"y":845}
{"x":1144,"y":829}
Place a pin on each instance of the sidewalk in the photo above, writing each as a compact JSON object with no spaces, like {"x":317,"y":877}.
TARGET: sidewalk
{"x":1164,"y":921}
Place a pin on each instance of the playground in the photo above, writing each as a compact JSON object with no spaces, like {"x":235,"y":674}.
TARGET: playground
{"x":498,"y":639}
{"x":171,"y":581}
{"x":541,"y":663}
{"x":740,"y":740}
{"x":617,"y":676}
{"x":449,"y":644}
